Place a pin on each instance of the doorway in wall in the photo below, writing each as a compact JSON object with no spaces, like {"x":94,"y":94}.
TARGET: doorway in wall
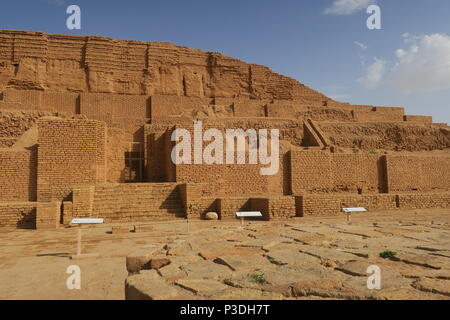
{"x":134,"y":162}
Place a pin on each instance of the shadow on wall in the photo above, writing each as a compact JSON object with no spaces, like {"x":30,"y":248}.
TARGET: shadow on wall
{"x":28,"y":220}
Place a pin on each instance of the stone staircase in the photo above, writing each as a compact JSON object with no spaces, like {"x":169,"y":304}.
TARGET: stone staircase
{"x":128,"y":202}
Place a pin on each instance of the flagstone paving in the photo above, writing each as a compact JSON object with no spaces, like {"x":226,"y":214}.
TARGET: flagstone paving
{"x":303,"y":258}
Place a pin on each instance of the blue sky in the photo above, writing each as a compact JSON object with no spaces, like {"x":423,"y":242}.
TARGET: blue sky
{"x":322,"y":43}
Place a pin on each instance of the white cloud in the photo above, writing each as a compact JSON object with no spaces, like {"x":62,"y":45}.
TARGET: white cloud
{"x":375,"y":73}
{"x":424,"y":66}
{"x":347,"y":7}
{"x":360,"y":44}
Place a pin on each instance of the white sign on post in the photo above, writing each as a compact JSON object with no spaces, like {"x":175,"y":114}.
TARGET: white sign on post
{"x":86,"y":221}
{"x":244,"y":214}
{"x":354,"y":209}
{"x":350,"y":210}
{"x":80,"y":222}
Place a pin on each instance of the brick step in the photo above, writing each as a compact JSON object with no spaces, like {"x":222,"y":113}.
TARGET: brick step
{"x":154,"y":193}
{"x":130,"y":186}
{"x":106,"y":215}
{"x":138,"y":209}
{"x":139,"y":213}
{"x":152,"y":202}
{"x":135,"y":195}
{"x":159,"y":193}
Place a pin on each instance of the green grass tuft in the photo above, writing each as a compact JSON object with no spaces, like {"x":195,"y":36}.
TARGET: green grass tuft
{"x":258,"y":278}
{"x":387,"y":254}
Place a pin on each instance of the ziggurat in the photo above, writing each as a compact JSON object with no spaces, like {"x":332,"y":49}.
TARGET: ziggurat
{"x":85,"y":126}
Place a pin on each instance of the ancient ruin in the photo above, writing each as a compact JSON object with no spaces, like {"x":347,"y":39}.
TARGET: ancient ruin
{"x":86,"y":123}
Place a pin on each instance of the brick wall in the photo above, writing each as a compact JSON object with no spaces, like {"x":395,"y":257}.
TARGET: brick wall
{"x":71,"y":152}
{"x":48,"y":215}
{"x":130,"y":202}
{"x":117,"y":144}
{"x":424,"y":201}
{"x":419,"y":173}
{"x":275,"y":208}
{"x":423,"y":119}
{"x":321,"y":171}
{"x":17,"y":215}
{"x":332,"y":204}
{"x":380,"y":114}
{"x":229,"y":206}
{"x":17,"y":175}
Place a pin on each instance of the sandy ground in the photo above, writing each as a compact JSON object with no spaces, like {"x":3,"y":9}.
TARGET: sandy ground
{"x":33,"y":263}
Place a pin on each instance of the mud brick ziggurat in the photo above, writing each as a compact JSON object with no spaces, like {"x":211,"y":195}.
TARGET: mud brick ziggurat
{"x":86,"y":122}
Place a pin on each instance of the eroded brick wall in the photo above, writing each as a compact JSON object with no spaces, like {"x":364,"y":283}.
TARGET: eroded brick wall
{"x":332,"y":204}
{"x":18,"y":215}
{"x":419,"y":173}
{"x":17,"y":175}
{"x":322,"y":171}
{"x":71,"y":152}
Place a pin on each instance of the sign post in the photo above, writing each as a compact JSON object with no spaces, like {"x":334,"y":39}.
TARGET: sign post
{"x":80,"y":222}
{"x":348,"y":211}
{"x":244,"y":214}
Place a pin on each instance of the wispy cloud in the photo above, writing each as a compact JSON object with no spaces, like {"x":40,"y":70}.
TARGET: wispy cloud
{"x":339,"y":96}
{"x":424,"y":66}
{"x":360,"y":44}
{"x":348,"y":7}
{"x":374,"y":75}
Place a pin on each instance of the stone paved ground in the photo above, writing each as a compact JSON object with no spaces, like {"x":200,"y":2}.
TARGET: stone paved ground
{"x":304,"y":258}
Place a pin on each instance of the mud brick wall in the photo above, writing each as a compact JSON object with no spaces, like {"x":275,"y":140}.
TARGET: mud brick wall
{"x":61,"y":101}
{"x":230,"y":179}
{"x":229,"y":206}
{"x":323,"y":205}
{"x":423,"y":119}
{"x":249,"y":108}
{"x":321,"y":171}
{"x":310,"y":171}
{"x":163,"y":106}
{"x":274,"y":208}
{"x":67,"y":212}
{"x":18,"y":215}
{"x":117,"y":145}
{"x":418,"y":173}
{"x":48,"y":215}
{"x":99,"y":64}
{"x":17,"y":175}
{"x":199,"y":207}
{"x":380,"y":114}
{"x":281,"y":109}
{"x":71,"y":153}
{"x":281,"y":208}
{"x":261,"y":205}
{"x":136,"y":202}
{"x":395,"y":136}
{"x":354,"y":171}
{"x":127,"y":111}
{"x":198,"y":199}
{"x":155,"y":153}
{"x":332,"y":204}
{"x":82,"y":202}
{"x":424,"y":201}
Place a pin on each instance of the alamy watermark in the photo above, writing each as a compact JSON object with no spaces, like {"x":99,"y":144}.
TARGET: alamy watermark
{"x":74,"y":280}
{"x":374,"y":20}
{"x":74,"y":20}
{"x":234,"y":145}
{"x":374,"y":279}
